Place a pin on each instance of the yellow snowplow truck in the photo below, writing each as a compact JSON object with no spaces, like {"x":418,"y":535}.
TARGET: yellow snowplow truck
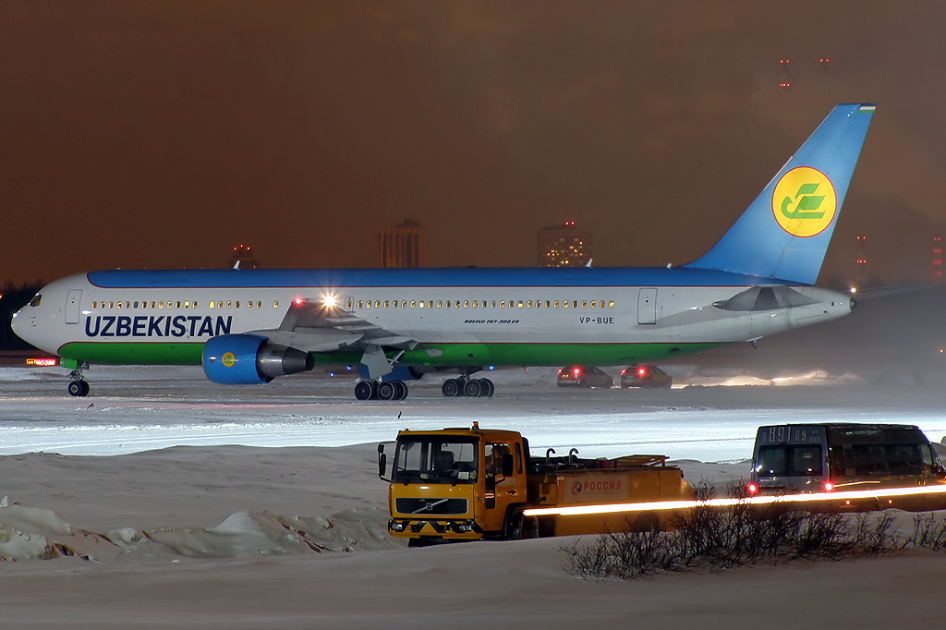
{"x":471,"y":484}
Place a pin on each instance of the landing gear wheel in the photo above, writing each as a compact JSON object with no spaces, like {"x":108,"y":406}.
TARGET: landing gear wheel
{"x":79,"y":388}
{"x":473,"y":388}
{"x":364,"y":390}
{"x":386,"y":390}
{"x":400,"y":390}
{"x":487,"y":388}
{"x":451,"y":388}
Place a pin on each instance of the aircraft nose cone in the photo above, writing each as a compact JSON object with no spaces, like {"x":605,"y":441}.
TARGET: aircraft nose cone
{"x":21,"y":326}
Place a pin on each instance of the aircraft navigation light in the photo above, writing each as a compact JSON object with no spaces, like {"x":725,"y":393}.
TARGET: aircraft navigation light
{"x":329,"y":301}
{"x":298,"y":301}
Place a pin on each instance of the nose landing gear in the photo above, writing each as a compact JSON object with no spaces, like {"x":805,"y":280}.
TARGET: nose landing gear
{"x":78,"y":386}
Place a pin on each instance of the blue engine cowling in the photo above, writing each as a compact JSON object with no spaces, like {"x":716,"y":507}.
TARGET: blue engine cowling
{"x":251,"y":359}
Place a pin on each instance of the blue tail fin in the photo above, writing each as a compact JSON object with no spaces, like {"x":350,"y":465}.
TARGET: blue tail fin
{"x":785,"y":232}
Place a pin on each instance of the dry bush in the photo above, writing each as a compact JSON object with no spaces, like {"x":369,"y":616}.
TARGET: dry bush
{"x":713,"y":539}
{"x":929,"y":532}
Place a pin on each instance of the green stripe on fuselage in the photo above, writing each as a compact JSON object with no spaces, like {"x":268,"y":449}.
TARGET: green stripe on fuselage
{"x":459,"y":354}
{"x":121,"y":353}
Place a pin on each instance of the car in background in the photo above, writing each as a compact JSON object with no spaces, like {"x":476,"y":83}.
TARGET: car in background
{"x":583,"y":376}
{"x":644,"y":375}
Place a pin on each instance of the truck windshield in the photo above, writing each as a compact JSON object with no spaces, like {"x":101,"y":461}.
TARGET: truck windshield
{"x":435,"y":460}
{"x":793,"y":461}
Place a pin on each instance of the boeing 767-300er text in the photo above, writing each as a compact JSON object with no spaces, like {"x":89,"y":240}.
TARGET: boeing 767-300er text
{"x":250,"y":326}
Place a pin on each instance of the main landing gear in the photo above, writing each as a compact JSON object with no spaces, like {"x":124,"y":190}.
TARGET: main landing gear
{"x":384,"y":390}
{"x":78,"y":386}
{"x":466,"y":386}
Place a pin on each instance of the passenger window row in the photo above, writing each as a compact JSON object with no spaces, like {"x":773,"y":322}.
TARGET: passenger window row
{"x":176,"y":304}
{"x":351,"y":303}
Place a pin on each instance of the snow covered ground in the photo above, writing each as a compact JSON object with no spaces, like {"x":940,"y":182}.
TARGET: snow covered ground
{"x":188,"y":524}
{"x":159,"y":478}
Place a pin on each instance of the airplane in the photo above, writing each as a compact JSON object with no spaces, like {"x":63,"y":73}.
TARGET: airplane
{"x":250,"y":326}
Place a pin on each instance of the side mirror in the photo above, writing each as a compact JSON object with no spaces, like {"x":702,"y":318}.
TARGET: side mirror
{"x":382,"y":462}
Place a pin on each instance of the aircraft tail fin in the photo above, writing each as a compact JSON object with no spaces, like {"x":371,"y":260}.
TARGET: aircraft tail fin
{"x":785,"y":232}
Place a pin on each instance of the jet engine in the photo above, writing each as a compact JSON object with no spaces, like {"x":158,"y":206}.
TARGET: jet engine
{"x":251,"y":359}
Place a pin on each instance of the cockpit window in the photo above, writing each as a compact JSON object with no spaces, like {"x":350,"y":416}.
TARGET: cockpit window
{"x":36,"y":300}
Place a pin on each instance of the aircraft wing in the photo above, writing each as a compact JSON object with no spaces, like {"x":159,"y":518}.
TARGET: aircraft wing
{"x":314,"y":326}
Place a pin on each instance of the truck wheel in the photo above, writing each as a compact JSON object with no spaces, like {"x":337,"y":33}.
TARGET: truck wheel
{"x":528,"y":527}
{"x":512,"y":526}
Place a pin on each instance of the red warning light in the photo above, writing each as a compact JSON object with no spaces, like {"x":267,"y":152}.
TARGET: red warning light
{"x":43,"y":361}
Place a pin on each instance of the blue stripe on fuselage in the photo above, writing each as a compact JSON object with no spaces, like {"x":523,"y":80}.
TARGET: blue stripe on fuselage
{"x":444,"y":277}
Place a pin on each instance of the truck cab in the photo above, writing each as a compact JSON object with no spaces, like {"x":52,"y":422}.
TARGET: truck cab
{"x":457,"y":484}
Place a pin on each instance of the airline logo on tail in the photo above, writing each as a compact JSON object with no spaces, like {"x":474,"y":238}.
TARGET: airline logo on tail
{"x":804,"y":202}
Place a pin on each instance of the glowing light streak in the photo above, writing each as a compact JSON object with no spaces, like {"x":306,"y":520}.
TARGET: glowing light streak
{"x":813,"y":497}
{"x":44,"y":362}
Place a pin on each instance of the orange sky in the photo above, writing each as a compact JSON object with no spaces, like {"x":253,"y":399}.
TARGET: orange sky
{"x":161,"y":134}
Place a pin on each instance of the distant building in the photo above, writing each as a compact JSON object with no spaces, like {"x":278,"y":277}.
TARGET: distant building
{"x":564,"y":246}
{"x":860,"y":262}
{"x":785,"y":81}
{"x":401,"y":246}
{"x":937,"y":259}
{"x":243,"y":256}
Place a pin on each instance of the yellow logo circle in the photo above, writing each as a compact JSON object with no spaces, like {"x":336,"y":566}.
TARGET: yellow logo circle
{"x":228,"y":359}
{"x":804,"y":202}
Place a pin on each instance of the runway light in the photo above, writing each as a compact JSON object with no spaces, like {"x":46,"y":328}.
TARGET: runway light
{"x":43,"y":361}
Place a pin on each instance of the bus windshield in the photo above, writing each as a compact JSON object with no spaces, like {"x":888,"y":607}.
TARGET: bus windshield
{"x":792,"y":461}
{"x":435,"y":459}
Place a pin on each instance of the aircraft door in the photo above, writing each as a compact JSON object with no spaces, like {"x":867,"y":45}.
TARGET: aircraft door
{"x":505,"y":482}
{"x":72,"y":306}
{"x":647,"y":306}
